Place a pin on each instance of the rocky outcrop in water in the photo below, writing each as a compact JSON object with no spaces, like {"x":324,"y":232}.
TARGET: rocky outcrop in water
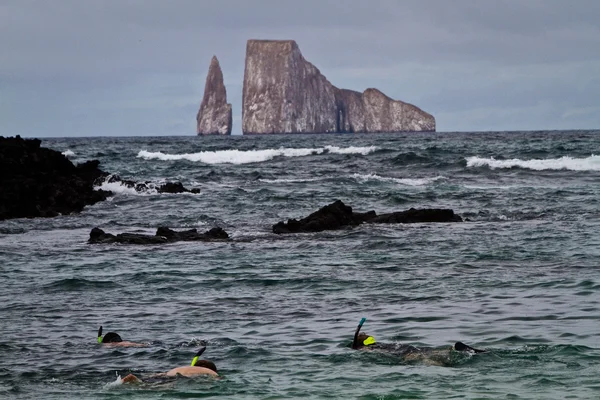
{"x":338,"y":215}
{"x":214,"y":116}
{"x":40,"y":182}
{"x":149,"y":187}
{"x":284,"y":93}
{"x":163,"y":235}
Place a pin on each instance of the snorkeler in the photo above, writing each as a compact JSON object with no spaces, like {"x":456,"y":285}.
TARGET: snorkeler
{"x":113,"y":339}
{"x":408,"y":353}
{"x":196,"y":369}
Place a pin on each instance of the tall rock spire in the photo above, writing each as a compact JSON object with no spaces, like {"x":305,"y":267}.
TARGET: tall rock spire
{"x":214,"y":116}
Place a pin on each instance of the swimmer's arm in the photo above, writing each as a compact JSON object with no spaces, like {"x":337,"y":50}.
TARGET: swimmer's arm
{"x":131,"y":378}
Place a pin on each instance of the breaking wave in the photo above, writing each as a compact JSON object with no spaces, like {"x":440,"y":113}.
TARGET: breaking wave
{"x":121,"y":188}
{"x":252,"y":156}
{"x":403,"y":181}
{"x":591,"y":163}
{"x":68,"y":153}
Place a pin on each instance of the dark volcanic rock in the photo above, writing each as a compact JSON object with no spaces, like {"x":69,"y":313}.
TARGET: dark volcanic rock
{"x":338,"y":215}
{"x":334,"y":216}
{"x":284,"y":93}
{"x":169,"y":187}
{"x":175,"y":187}
{"x":40,"y":182}
{"x":414,"y":215}
{"x":163,"y":235}
{"x":214,"y":116}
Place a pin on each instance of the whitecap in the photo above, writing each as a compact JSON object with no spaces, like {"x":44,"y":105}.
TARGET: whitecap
{"x":591,"y":163}
{"x":251,"y":156}
{"x":115,"y":383}
{"x":351,"y":150}
{"x":68,"y":153}
{"x":283,"y":180}
{"x":402,"y":181}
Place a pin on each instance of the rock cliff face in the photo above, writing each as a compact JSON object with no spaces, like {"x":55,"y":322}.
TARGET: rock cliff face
{"x":284,"y":93}
{"x":214,"y":116}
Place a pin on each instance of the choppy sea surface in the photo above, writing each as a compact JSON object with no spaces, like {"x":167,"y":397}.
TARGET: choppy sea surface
{"x":520,"y":277}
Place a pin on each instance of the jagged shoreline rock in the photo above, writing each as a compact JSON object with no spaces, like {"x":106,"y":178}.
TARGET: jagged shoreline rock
{"x":168,"y":187}
{"x":284,"y":93}
{"x":40,"y":182}
{"x":163,"y":235}
{"x":337,"y":215}
{"x":214,"y":116}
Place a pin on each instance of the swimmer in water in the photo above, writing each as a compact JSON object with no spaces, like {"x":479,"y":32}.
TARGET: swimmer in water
{"x":196,"y":369}
{"x":113,"y":339}
{"x":408,"y":353}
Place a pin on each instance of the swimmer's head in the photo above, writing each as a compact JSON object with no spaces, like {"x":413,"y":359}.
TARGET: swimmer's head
{"x":365,"y":340}
{"x":111,"y":337}
{"x":206,"y":364}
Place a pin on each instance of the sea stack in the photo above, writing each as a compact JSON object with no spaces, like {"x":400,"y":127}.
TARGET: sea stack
{"x":284,"y":93}
{"x":214,"y":116}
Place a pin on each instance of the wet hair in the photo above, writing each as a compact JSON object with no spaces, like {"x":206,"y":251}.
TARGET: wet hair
{"x":206,"y":364}
{"x":361,"y":338}
{"x":111,"y":337}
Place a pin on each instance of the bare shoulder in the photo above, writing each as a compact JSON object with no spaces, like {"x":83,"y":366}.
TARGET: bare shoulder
{"x":132,"y":379}
{"x":191,"y":371}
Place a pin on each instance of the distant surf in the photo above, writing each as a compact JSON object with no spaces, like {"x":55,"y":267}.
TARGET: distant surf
{"x":252,"y":156}
{"x":591,"y":163}
{"x":403,"y":181}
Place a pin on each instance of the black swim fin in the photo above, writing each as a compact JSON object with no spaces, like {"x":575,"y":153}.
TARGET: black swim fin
{"x":460,"y":346}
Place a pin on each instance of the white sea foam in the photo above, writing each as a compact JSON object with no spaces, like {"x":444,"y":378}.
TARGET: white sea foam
{"x":121,"y":188}
{"x":68,"y":153}
{"x":250,"y":156}
{"x":402,"y":181}
{"x":591,"y":163}
{"x":115,"y":383}
{"x":288,"y":180}
{"x":351,"y":150}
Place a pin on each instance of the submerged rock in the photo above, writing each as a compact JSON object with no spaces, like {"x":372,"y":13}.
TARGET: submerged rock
{"x":284,"y":93}
{"x":40,"y":182}
{"x":163,"y":235}
{"x":338,"y":215}
{"x":214,"y":116}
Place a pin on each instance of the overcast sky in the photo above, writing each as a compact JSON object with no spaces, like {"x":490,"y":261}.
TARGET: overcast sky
{"x":138,"y":67}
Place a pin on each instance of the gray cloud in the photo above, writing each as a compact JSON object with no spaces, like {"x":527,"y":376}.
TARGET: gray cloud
{"x":137,"y":67}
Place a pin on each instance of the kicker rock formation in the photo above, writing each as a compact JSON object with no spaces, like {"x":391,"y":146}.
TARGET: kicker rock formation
{"x":284,"y":93}
{"x":214,"y":116}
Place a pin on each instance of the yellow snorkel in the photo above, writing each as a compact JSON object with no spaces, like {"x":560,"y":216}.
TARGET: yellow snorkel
{"x":355,"y":341}
{"x":100,"y":334}
{"x":198,"y":354}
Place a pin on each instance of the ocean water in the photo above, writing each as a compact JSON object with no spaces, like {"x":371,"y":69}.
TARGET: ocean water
{"x":520,"y":277}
